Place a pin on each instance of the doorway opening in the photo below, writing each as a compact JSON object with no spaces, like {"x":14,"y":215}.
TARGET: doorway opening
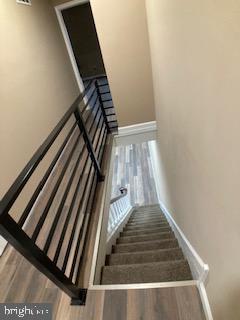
{"x":81,"y":39}
{"x":84,"y":40}
{"x":80,"y":35}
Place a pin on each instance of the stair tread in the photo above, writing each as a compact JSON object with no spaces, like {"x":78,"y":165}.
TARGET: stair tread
{"x":145,"y":231}
{"x":146,"y":251}
{"x":147,"y":272}
{"x":147,"y":219}
{"x":142,"y":223}
{"x":145,"y":256}
{"x":145,"y":226}
{"x":148,"y":237}
{"x":123,"y":244}
{"x":146,"y":213}
{"x":143,"y":246}
{"x":152,"y":264}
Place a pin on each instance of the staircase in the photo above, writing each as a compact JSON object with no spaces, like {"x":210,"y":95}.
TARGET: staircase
{"x":146,"y":251}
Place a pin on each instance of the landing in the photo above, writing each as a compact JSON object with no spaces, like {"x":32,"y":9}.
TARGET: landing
{"x":133,"y":170}
{"x":180,"y":303}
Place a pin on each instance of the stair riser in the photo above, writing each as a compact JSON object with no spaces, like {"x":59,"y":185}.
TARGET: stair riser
{"x":146,"y":257}
{"x":146,"y":226}
{"x":147,"y":217}
{"x":145,"y":232}
{"x":146,"y":220}
{"x":153,"y":205}
{"x":144,"y":208}
{"x":147,"y":213}
{"x":134,"y":223}
{"x":168,"y":235}
{"x":163,"y":244}
{"x":145,"y":274}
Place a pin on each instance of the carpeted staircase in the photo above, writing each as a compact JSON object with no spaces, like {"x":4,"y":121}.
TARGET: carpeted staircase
{"x":146,"y":251}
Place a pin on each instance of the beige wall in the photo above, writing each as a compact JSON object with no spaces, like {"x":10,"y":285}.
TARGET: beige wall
{"x":195,"y":48}
{"x":122,"y":31}
{"x":37,"y":82}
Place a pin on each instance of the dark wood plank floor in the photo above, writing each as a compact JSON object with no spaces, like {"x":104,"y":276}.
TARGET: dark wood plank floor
{"x":133,"y":170}
{"x":21,"y":282}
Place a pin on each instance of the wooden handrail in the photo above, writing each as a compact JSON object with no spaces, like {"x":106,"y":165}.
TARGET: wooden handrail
{"x":123,"y":191}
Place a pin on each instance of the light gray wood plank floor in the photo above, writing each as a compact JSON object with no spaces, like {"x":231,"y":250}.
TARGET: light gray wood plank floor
{"x":133,"y":170}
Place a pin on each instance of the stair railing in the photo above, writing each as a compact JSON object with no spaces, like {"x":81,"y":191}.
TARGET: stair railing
{"x":119,"y":208}
{"x":104,"y":92}
{"x":52,"y":237}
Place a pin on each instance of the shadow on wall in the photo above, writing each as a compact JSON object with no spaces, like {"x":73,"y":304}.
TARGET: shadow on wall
{"x":160,"y":177}
{"x":230,"y":302}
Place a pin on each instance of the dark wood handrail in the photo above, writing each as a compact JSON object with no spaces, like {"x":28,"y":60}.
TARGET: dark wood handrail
{"x":123,"y":191}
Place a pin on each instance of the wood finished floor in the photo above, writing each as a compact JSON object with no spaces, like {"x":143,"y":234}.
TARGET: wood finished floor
{"x":133,"y":170}
{"x":20,"y":282}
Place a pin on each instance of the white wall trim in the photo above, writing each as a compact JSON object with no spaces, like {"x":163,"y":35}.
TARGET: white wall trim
{"x":137,"y":128}
{"x":66,"y":38}
{"x":145,"y":285}
{"x":99,"y":253}
{"x":205,"y":302}
{"x":198,"y":267}
{"x":71,"y":4}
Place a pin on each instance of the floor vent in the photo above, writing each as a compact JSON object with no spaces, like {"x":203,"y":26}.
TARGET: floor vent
{"x":27,"y":2}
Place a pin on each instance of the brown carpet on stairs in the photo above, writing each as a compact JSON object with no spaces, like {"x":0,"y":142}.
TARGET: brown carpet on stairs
{"x":146,"y":251}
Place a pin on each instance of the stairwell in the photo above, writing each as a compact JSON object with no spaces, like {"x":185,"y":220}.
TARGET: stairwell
{"x":146,"y":251}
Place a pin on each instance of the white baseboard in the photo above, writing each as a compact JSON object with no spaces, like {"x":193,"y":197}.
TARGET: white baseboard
{"x":137,"y":128}
{"x":136,"y":286}
{"x":205,"y":302}
{"x":198,"y":267}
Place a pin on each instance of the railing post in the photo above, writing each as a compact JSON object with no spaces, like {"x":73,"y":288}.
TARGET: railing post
{"x":102,"y":107}
{"x":89,"y":145}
